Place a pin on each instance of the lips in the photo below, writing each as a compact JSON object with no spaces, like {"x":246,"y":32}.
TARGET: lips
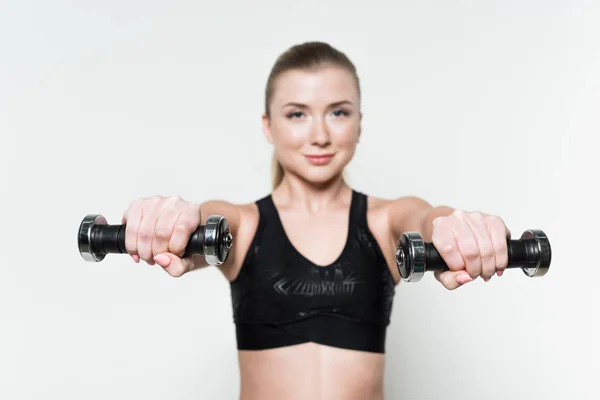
{"x":319,"y":159}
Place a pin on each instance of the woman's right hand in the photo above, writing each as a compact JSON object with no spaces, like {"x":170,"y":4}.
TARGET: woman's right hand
{"x":158,"y":230}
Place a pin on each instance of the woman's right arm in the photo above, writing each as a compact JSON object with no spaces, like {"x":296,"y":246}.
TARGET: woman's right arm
{"x":158,"y":230}
{"x":243,"y":220}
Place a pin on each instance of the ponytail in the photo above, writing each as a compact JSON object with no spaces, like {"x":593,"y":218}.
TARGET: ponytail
{"x":277,"y":172}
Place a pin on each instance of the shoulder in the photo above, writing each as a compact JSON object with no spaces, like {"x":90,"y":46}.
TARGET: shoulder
{"x":397,"y":215}
{"x":408,"y":204}
{"x":244,"y":216}
{"x":380,"y":212}
{"x":236,"y":213}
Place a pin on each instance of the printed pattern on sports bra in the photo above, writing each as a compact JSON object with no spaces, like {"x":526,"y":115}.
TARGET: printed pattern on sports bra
{"x":330,"y":284}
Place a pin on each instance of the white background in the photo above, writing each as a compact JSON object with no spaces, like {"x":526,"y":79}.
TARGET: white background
{"x":480,"y":105}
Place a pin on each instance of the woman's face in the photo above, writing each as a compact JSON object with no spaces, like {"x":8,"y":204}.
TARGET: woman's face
{"x":315,"y":122}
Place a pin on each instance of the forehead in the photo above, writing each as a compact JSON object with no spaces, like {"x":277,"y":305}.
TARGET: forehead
{"x":320,"y":86}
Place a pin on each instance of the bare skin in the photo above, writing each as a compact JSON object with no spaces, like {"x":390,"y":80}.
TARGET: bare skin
{"x":316,"y":113}
{"x":313,"y":113}
{"x":310,"y":370}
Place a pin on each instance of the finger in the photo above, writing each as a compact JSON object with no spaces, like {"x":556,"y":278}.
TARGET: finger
{"x":467,"y":244}
{"x":172,"y":264}
{"x":186,"y":224}
{"x":146,"y":232}
{"x":444,"y":241}
{"x":163,"y":230}
{"x":499,"y":235}
{"x":132,"y":219}
{"x":480,"y":229}
{"x":452,"y":279}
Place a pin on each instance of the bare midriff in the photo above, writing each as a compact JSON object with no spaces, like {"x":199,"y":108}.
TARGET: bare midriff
{"x":311,"y":371}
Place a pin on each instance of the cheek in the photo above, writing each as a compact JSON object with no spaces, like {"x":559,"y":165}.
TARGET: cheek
{"x":290,"y":135}
{"x":345,"y":136}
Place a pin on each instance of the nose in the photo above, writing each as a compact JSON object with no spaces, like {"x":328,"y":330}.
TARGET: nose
{"x":319,"y":132}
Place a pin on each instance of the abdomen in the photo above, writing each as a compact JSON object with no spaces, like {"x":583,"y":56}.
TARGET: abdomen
{"x":311,"y":371}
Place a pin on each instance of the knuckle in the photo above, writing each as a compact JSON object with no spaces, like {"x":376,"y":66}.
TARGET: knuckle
{"x":162,"y":232}
{"x":183,"y":227}
{"x":459,"y":213}
{"x":445,"y":248}
{"x":145,"y":235}
{"x":172,"y":200}
{"x":156,"y":199}
{"x":133,"y":207}
{"x":477,"y":214}
{"x":192,"y":222}
{"x":470,"y":253}
{"x":487,"y":252}
{"x":494,"y":219}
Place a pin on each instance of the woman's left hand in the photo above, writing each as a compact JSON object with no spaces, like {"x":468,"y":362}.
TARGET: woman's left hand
{"x":472,"y":244}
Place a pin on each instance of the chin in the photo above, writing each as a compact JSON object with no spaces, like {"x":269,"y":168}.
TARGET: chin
{"x":321,"y":177}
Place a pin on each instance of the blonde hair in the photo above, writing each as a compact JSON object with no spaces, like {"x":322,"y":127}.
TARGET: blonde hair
{"x":305,"y":56}
{"x":277,"y":172}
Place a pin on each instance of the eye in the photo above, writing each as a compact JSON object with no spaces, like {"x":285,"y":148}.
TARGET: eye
{"x":341,"y":112}
{"x":295,"y":114}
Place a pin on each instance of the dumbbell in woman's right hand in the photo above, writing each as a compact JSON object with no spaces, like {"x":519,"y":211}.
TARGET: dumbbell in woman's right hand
{"x":158,"y":229}
{"x":532,"y":253}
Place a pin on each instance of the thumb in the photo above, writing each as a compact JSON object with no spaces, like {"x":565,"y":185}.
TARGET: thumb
{"x":172,"y":264}
{"x":452,"y":279}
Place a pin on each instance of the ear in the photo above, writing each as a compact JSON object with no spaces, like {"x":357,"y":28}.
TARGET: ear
{"x":359,"y":127}
{"x":267,"y":128}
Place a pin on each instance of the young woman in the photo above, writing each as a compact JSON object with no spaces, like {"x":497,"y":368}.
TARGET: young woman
{"x":313,"y":269}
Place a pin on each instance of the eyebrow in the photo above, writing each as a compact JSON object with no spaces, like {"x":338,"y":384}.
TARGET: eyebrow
{"x":336,"y":104}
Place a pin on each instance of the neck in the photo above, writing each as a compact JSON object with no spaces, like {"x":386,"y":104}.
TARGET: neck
{"x":294,"y":192}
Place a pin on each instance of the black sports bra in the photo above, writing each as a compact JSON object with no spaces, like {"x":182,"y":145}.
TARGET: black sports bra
{"x":280,"y":298}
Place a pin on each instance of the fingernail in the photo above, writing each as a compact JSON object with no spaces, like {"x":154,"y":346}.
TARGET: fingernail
{"x":462,"y":279}
{"x":499,"y":273}
{"x":162,"y":260}
{"x":136,"y":258}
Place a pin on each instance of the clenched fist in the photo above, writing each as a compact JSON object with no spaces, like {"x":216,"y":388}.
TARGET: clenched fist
{"x":158,"y":229}
{"x":472,"y":244}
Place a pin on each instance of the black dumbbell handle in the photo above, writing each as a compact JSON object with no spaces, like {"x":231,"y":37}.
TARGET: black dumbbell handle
{"x":522,"y":253}
{"x":110,"y":239}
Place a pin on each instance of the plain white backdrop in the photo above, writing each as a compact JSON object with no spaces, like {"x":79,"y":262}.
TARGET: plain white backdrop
{"x":480,"y":105}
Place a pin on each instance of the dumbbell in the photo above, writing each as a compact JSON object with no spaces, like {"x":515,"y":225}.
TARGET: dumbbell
{"x":96,"y":239}
{"x":414,"y":257}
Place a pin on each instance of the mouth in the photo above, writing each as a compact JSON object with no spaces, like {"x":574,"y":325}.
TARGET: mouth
{"x":319,"y":159}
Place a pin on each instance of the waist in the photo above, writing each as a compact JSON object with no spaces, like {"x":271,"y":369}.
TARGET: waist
{"x":311,"y":371}
{"x":328,"y":330}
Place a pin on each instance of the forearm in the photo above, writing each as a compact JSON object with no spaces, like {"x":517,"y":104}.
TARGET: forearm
{"x":412,"y":214}
{"x":216,"y":207}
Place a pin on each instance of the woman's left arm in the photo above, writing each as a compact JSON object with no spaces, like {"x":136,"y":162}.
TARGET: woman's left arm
{"x":473,"y":244}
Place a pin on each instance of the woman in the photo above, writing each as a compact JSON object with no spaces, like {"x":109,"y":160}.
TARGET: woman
{"x":312,"y":270}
